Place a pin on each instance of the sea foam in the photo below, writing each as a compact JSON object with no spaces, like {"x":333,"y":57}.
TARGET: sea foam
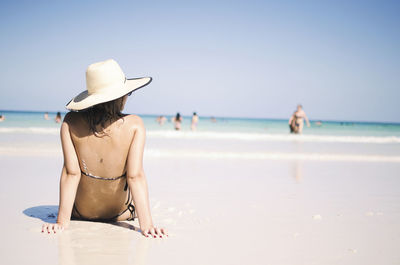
{"x":32,"y":130}
{"x":240,"y":136}
{"x":274,"y":137}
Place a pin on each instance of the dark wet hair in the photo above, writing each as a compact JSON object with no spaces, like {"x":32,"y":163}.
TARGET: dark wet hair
{"x":194,"y":113}
{"x":102,"y":113}
{"x":178,"y":116}
{"x":58,"y":114}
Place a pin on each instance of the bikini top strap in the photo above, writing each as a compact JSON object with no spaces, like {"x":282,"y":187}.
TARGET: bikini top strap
{"x":97,"y":177}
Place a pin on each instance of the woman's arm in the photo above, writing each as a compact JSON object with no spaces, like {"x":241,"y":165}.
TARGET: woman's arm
{"x":138,"y":184}
{"x":290,"y":120}
{"x":70,"y":177}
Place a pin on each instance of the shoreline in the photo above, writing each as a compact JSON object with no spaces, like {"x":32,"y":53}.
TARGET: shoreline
{"x":226,"y":135}
{"x":196,"y":154}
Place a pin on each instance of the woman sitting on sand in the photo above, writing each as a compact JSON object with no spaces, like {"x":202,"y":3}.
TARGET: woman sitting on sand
{"x":102,"y":178}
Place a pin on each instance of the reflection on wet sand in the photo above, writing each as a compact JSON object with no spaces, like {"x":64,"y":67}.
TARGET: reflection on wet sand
{"x":298,"y":170}
{"x":297,"y":166}
{"x":119,"y":244}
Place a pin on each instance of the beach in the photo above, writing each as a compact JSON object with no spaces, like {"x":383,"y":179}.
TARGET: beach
{"x":272,"y":132}
{"x":234,"y":192}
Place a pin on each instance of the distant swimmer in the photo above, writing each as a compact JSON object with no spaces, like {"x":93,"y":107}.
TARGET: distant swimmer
{"x":2,"y":118}
{"x":195,"y":120}
{"x":213,"y":119}
{"x":161,"y":120}
{"x":46,"y":116}
{"x":58,"y":117}
{"x":296,"y":121}
{"x":177,"y":120}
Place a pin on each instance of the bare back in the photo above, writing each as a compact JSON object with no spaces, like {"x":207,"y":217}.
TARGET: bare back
{"x":104,"y":156}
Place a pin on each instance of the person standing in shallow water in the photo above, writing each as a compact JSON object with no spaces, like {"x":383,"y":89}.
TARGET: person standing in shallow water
{"x":177,"y":120}
{"x":161,"y":120}
{"x":58,"y":117}
{"x":102,"y":178}
{"x":195,"y":120}
{"x":296,"y":121}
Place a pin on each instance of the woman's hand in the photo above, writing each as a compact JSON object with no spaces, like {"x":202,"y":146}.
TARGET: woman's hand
{"x":154,"y":232}
{"x":52,"y":228}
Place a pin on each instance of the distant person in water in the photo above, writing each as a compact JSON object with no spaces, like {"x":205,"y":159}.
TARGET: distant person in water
{"x":213,"y":119}
{"x":58,"y":117}
{"x":195,"y":120}
{"x":46,"y":116}
{"x":296,"y":121}
{"x":161,"y":120}
{"x":2,"y":118}
{"x":177,"y":120}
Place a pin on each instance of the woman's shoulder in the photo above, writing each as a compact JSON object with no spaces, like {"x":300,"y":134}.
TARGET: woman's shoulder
{"x":134,"y":121}
{"x":73,"y":117}
{"x":74,"y":122}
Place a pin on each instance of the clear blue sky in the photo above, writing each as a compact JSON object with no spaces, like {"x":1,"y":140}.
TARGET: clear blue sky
{"x":340,"y":59}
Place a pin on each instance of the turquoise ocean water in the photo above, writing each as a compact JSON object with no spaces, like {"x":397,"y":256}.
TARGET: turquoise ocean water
{"x":35,"y":122}
{"x":226,"y":138}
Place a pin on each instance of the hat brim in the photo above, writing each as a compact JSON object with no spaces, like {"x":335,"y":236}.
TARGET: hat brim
{"x":84,"y":100}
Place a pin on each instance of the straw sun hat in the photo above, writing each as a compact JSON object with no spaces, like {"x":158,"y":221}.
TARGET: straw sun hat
{"x":105,"y":81}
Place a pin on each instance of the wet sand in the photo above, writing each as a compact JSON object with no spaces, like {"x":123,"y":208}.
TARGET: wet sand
{"x":219,"y":210}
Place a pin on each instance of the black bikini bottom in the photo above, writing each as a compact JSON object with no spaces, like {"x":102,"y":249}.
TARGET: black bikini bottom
{"x":128,"y":203}
{"x":130,"y":208}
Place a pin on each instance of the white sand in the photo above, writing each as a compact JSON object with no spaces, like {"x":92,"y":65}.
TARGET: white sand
{"x":219,"y":210}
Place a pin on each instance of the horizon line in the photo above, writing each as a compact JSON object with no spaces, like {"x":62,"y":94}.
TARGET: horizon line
{"x":228,"y":117}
